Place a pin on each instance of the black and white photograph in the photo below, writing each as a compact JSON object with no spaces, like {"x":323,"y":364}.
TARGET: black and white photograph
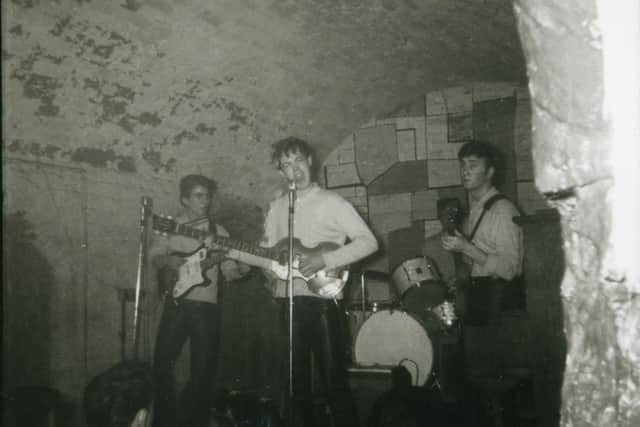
{"x":320,"y":213}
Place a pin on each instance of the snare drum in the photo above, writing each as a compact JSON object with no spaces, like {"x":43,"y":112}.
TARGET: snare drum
{"x":418,"y":284}
{"x":393,"y":338}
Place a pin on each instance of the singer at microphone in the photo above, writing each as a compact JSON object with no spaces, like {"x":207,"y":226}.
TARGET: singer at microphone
{"x":331,"y":234}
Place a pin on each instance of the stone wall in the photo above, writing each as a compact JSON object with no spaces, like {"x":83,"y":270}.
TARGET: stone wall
{"x":577,"y":152}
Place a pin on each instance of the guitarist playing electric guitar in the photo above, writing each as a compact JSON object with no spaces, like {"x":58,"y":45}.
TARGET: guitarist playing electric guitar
{"x":194,"y":316}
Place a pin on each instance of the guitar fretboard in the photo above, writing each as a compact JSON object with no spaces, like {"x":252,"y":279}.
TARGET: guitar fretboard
{"x":226,"y":242}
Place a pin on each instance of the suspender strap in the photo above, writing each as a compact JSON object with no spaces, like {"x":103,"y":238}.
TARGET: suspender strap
{"x":485,"y":208}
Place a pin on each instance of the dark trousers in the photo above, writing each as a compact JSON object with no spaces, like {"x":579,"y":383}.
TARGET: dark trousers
{"x":199,"y":322}
{"x":488,"y":349}
{"x":320,"y":331}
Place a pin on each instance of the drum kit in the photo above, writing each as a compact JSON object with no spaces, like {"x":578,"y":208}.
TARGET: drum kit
{"x":398,"y":319}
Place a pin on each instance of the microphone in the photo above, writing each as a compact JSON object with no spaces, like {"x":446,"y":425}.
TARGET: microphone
{"x":292,"y":189}
{"x":145,"y":209}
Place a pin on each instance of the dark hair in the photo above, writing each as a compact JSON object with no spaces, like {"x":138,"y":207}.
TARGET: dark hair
{"x":114,"y":397}
{"x":290,"y":145}
{"x":484,"y":150}
{"x":189,"y":181}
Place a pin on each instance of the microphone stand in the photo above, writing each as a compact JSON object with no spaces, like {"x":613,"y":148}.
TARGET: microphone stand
{"x":292,"y":201}
{"x":142,"y":261}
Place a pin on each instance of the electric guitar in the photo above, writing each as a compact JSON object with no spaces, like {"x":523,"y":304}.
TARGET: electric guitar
{"x":452,"y":224}
{"x":324,"y":283}
{"x":191,"y":273}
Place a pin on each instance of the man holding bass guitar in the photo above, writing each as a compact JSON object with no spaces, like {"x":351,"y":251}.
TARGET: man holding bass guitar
{"x":192,"y":314}
{"x":325,"y":221}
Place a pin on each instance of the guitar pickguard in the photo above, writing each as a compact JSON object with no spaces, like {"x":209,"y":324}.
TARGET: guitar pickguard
{"x":191,"y":273}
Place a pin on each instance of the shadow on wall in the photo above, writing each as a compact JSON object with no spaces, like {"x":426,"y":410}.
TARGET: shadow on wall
{"x":26,"y":289}
{"x":241,"y":217}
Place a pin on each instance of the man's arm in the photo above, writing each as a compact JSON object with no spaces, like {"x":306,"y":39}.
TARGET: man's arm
{"x":503,"y":257}
{"x":362,"y":241}
{"x":230,"y":269}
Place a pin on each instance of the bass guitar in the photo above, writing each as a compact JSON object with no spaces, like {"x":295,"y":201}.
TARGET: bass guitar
{"x":324,"y":283}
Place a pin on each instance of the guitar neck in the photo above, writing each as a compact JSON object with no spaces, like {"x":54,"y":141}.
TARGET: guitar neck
{"x":239,"y":250}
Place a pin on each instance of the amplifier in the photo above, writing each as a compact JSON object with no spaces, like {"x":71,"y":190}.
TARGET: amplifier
{"x":368,"y":384}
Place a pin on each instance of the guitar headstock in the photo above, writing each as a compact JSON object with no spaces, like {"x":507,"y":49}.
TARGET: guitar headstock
{"x":453,"y":219}
{"x":163,"y":224}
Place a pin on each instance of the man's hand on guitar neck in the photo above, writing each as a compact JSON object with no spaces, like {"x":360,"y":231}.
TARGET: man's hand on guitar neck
{"x":216,"y":252}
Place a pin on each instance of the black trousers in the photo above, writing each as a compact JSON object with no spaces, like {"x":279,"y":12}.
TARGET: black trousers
{"x":199,"y":322}
{"x":488,"y":348}
{"x":320,"y":332}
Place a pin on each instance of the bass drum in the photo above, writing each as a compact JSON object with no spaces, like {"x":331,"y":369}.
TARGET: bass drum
{"x":395,"y":338}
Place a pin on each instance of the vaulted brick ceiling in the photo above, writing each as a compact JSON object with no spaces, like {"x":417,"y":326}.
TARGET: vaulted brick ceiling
{"x":167,"y":87}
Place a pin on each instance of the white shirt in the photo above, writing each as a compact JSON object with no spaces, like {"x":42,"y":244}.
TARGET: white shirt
{"x":498,"y":236}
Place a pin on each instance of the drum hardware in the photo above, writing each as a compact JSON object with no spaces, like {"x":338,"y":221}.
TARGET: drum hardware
{"x":363,"y":292}
{"x":374,"y":307}
{"x":372,"y":292}
{"x":446,"y":312}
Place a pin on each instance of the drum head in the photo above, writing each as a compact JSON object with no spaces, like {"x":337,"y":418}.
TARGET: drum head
{"x":392,"y":338}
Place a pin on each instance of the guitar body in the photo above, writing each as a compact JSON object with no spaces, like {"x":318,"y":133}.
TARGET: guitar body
{"x":325,"y":283}
{"x":191,"y":273}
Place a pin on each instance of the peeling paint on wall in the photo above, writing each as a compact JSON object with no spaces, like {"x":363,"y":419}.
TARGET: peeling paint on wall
{"x":92,"y":156}
{"x":20,"y":147}
{"x":60,"y":26}
{"x":115,"y":99}
{"x":102,"y":158}
{"x":155,"y":160}
{"x":93,"y":43}
{"x":203,"y":128}
{"x":17,"y":30}
{"x":131,"y":5}
{"x":185,"y":134}
{"x":26,"y":4}
{"x":170,"y":78}
{"x":37,"y":86}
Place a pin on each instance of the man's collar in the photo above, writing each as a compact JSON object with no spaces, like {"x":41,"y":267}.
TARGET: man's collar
{"x":490,"y":192}
{"x":310,"y":189}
